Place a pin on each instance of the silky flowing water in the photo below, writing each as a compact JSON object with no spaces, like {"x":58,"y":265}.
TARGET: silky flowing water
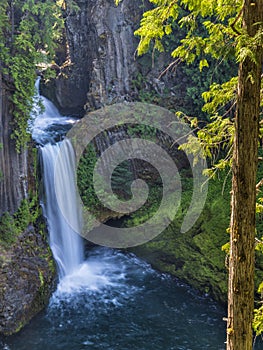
{"x":109,"y":299}
{"x":59,"y":160}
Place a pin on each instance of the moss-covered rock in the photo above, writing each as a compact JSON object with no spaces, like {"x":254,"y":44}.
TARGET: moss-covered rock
{"x":195,"y":256}
{"x":27,"y":268}
{"x":27,"y":273}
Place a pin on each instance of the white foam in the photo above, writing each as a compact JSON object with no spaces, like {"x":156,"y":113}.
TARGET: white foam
{"x":45,"y":116}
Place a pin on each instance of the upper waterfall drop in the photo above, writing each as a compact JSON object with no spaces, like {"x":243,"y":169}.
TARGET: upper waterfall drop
{"x":46,"y":124}
{"x":58,"y":159}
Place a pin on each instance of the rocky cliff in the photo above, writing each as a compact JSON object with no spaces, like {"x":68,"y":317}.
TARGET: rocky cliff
{"x":100,"y":63}
{"x":26,"y":265}
{"x":27,"y":274}
{"x":14,"y":175}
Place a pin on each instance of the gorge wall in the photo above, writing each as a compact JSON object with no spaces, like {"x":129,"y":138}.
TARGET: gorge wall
{"x":14,"y":170}
{"x":26,"y":266}
{"x":101,"y":68}
{"x":101,"y":48}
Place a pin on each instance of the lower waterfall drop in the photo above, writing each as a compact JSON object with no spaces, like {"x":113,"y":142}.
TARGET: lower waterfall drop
{"x":66,"y":244}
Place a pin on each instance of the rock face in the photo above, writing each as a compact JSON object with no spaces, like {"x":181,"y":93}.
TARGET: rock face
{"x":26,"y":266}
{"x":14,"y":174}
{"x":194,"y":256}
{"x":101,"y":48}
{"x":101,"y":66}
{"x":113,"y":64}
{"x":26,"y":278}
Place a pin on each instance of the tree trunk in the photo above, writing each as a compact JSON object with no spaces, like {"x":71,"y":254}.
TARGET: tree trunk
{"x":242,"y":225}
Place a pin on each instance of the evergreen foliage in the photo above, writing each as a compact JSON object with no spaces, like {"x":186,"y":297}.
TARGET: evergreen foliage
{"x":222,"y":37}
{"x":211,"y":31}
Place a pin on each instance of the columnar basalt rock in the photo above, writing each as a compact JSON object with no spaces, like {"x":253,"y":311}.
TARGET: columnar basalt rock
{"x":101,"y":66}
{"x":26,"y":265}
{"x":101,"y":48}
{"x":13,"y":165}
{"x":113,"y":66}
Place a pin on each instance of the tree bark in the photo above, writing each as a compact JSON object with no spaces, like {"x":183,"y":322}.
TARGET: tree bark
{"x":243,"y":201}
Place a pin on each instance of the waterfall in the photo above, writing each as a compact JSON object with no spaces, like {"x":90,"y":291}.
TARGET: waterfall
{"x":65,"y":243}
{"x":46,"y":123}
{"x":58,"y":159}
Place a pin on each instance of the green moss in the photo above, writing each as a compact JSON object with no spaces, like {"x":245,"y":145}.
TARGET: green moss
{"x":41,"y":278}
{"x":23,"y":216}
{"x":47,"y":256}
{"x":8,"y":230}
{"x":85,"y":177}
{"x":195,"y":256}
{"x":12,"y":225}
{"x":20,"y":325}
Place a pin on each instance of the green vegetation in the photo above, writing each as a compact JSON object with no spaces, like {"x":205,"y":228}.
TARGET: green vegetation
{"x":8,"y":229}
{"x":196,"y":255}
{"x":13,"y":225}
{"x":189,"y":81}
{"x":192,"y":34}
{"x":28,"y":212}
{"x":120,"y":181}
{"x":85,"y":178}
{"x":221,"y":30}
{"x":29,"y":33}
